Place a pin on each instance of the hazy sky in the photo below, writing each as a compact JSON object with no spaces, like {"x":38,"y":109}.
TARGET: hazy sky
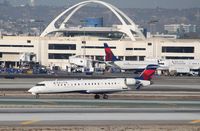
{"x":121,"y":3}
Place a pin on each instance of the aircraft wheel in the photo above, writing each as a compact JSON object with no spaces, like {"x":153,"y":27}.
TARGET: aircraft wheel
{"x":37,"y":96}
{"x":105,"y":96}
{"x":97,"y":96}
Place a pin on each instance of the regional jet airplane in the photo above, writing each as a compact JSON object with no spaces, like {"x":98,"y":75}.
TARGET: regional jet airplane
{"x":112,"y":60}
{"x":95,"y":86}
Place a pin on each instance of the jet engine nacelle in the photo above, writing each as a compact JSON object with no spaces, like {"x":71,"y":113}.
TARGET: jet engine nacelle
{"x":144,"y":82}
{"x":130,"y":81}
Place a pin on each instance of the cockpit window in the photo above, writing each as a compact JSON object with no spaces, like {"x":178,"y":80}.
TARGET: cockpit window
{"x":161,"y":63}
{"x":40,"y":85}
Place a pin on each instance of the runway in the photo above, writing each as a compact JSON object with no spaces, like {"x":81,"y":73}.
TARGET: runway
{"x":46,"y":119}
{"x":167,"y":102}
{"x":97,"y":116}
{"x":90,"y":103}
{"x":59,"y":112}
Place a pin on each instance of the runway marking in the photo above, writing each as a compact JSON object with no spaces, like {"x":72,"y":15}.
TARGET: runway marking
{"x":28,"y":122}
{"x":49,"y":102}
{"x":195,"y":121}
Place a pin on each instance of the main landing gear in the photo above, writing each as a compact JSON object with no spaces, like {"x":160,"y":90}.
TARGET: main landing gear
{"x":37,"y":96}
{"x":97,"y":96}
{"x":105,"y":96}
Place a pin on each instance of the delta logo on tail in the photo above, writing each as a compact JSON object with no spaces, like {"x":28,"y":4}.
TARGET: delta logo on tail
{"x":148,"y":73}
{"x":109,"y":54}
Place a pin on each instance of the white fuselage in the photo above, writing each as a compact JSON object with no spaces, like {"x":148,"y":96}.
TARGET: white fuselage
{"x":133,"y":65}
{"x":191,"y":64}
{"x":94,"y":86}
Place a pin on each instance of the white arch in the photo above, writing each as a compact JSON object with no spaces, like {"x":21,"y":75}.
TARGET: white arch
{"x":62,"y":26}
{"x":133,"y":27}
{"x":118,"y":13}
{"x":51,"y":27}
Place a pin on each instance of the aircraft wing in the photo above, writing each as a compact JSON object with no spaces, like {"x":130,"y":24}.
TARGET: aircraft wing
{"x":112,"y":64}
{"x":103,"y":91}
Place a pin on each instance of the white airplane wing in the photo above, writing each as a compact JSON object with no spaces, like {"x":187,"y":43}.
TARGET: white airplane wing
{"x":104,"y":91}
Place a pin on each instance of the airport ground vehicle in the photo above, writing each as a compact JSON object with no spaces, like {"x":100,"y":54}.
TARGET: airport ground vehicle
{"x":180,"y":67}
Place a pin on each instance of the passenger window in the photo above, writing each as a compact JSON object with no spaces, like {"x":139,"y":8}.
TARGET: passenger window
{"x":40,"y":84}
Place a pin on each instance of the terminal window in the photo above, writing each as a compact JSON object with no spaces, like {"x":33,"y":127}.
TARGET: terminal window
{"x":179,"y":57}
{"x":59,"y":56}
{"x":121,"y":57}
{"x":141,"y":58}
{"x":136,"y":49}
{"x":62,"y":47}
{"x":100,"y":58}
{"x":170,"y":49}
{"x":139,"y":48}
{"x":131,"y":58}
{"x":129,"y":48}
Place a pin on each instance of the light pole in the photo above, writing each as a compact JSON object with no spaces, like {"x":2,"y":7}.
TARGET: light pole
{"x":84,"y":41}
{"x":153,"y":22}
{"x":40,"y":22}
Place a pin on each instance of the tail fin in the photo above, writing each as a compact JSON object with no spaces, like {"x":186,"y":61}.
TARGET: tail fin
{"x":109,"y":54}
{"x":148,"y":73}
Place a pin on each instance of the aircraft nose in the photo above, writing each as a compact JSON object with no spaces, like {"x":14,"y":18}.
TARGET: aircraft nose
{"x":32,"y":90}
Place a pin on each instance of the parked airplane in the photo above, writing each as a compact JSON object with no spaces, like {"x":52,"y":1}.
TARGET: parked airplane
{"x":95,"y":86}
{"x":109,"y":54}
{"x":126,"y":65}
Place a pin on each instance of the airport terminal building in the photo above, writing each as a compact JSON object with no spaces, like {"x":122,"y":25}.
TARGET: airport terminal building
{"x":57,"y":44}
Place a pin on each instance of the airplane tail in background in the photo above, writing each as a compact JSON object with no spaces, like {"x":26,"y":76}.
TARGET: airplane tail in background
{"x":109,"y":54}
{"x":148,"y":73}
